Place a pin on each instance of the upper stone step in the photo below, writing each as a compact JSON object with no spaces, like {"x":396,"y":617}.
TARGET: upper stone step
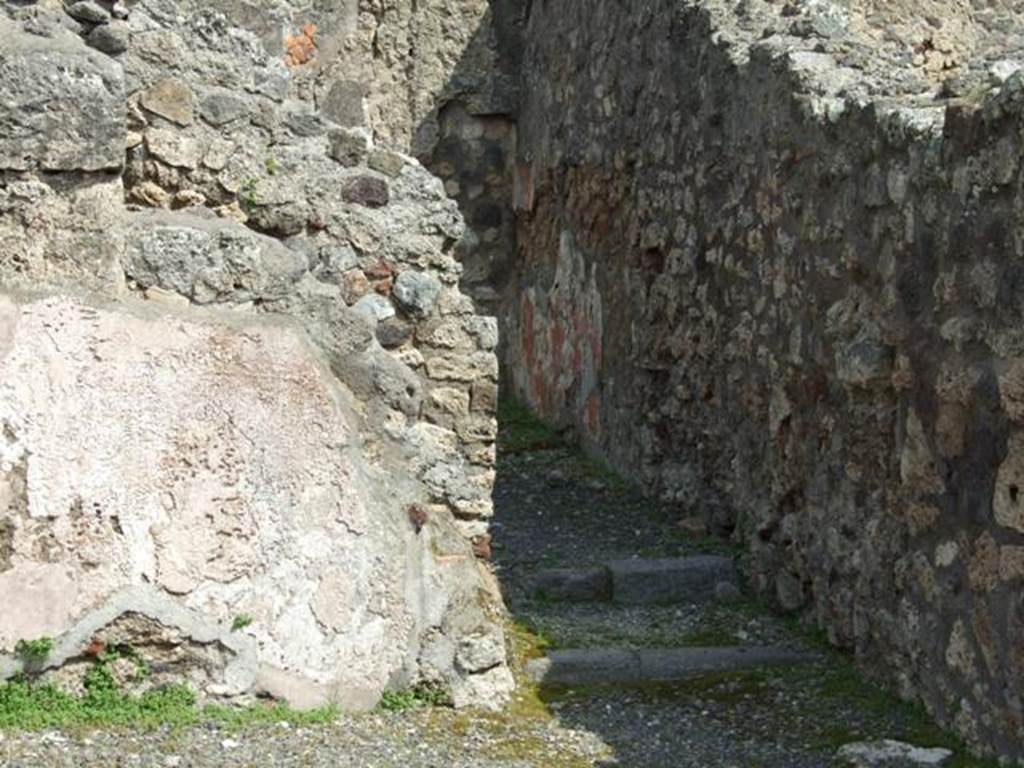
{"x":572,"y":585}
{"x":640,"y":581}
{"x":694,"y":579}
{"x":593,"y":666}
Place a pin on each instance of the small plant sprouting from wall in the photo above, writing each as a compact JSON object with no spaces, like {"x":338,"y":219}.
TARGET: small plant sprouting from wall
{"x":34,"y":651}
{"x":241,"y":621}
{"x":414,"y":698}
{"x":249,"y":192}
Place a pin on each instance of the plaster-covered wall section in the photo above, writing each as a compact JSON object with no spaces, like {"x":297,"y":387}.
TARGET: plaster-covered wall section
{"x":128,"y":478}
{"x":769,"y":264}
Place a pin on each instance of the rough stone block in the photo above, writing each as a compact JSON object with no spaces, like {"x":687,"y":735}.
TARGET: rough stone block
{"x":207,"y":259}
{"x":343,"y":103}
{"x":368,"y":191}
{"x":62,"y":104}
{"x":349,"y":146}
{"x":171,"y":99}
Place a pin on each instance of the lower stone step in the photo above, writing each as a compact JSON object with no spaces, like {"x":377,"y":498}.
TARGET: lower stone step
{"x":640,"y":581}
{"x":592,"y":666}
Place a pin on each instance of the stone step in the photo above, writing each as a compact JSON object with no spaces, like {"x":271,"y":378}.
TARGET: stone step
{"x":626,"y":666}
{"x":571,"y":585}
{"x":640,"y":581}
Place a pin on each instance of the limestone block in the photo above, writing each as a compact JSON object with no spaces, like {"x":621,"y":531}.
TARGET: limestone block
{"x":61,"y":104}
{"x":208,"y":260}
{"x":172,"y":99}
{"x":467,"y":368}
{"x":174,"y":148}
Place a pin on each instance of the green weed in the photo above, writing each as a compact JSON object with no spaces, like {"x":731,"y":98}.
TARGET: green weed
{"x":414,"y":698}
{"x":519,"y":431}
{"x":25,"y":705}
{"x":249,"y":191}
{"x":34,"y":650}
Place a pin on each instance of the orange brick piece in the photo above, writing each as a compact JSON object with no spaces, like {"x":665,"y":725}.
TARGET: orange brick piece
{"x":300,"y":49}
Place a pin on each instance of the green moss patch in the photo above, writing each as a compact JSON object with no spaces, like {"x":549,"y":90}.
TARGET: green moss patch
{"x":519,"y":431}
{"x":27,"y":706}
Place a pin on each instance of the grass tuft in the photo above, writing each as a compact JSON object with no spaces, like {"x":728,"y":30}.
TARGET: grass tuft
{"x":520,"y":431}
{"x":103,"y":704}
{"x":416,"y":697}
{"x":34,"y":650}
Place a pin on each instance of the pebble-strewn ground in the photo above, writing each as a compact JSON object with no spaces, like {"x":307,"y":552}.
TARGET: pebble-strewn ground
{"x":417,"y":739}
{"x":554,"y":508}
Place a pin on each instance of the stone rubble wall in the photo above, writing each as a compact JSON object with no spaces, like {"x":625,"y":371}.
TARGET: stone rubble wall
{"x":237,"y":373}
{"x":769,"y":263}
{"x":469,"y":141}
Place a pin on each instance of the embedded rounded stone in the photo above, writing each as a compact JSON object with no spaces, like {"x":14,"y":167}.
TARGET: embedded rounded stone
{"x":221,"y":107}
{"x":1011,"y":563}
{"x":112,"y":38}
{"x":394,"y":333}
{"x":374,"y":307}
{"x":417,"y":292}
{"x":88,"y":11}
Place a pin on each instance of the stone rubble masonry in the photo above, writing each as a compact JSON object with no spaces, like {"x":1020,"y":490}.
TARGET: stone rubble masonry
{"x":769,"y":263}
{"x":234,"y":355}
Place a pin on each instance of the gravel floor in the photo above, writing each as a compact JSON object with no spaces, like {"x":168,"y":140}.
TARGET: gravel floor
{"x":554,"y":508}
{"x":420,"y":739}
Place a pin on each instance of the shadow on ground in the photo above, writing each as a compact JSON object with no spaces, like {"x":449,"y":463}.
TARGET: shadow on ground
{"x":556,"y":508}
